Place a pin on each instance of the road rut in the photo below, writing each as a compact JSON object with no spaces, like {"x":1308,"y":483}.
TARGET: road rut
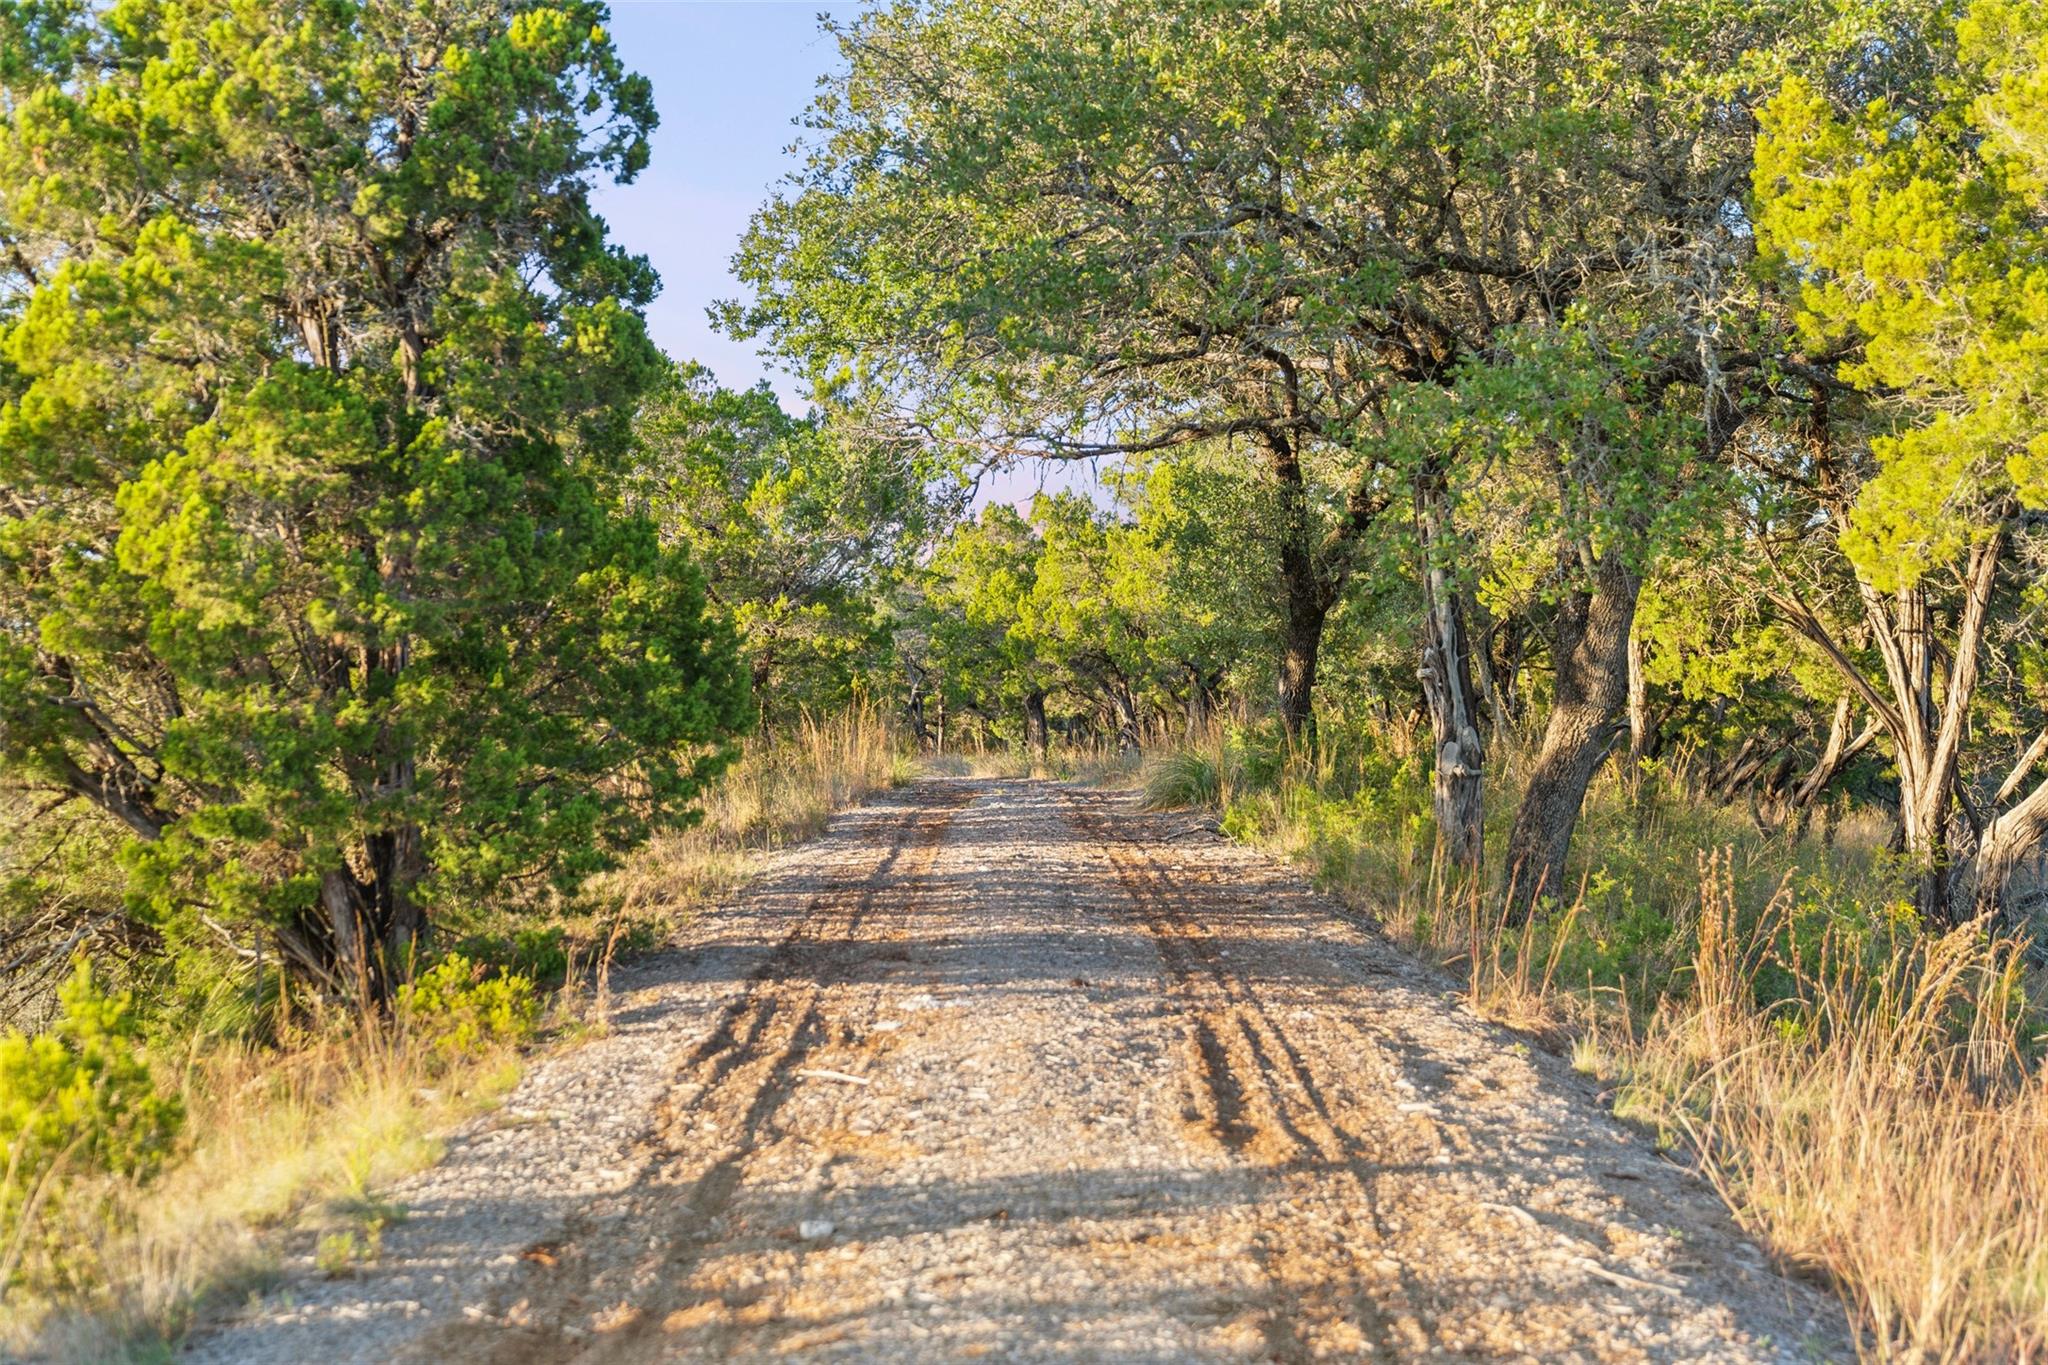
{"x":1010,"y":1070}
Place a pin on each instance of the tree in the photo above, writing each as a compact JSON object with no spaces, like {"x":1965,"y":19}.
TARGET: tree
{"x":1915,"y":233}
{"x":1202,"y":530}
{"x":315,"y":568}
{"x":977,"y":586}
{"x":1038,"y":270}
{"x":1069,"y":597}
{"x":795,"y":523}
{"x":1095,"y":605}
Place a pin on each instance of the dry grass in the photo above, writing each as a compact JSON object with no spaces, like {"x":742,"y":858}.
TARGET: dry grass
{"x":1887,"y":1125}
{"x":305,"y":1135}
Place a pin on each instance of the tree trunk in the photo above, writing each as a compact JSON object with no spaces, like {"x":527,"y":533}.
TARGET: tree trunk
{"x":399,"y":857}
{"x":920,"y":730}
{"x":1510,"y":638}
{"x":1201,"y":703}
{"x":1301,"y":641}
{"x":1923,"y":827}
{"x":1772,"y":797}
{"x":1835,"y":758}
{"x":1036,"y":738}
{"x":1306,"y":598}
{"x":1128,"y":739}
{"x":1590,"y":651}
{"x":1926,"y":734}
{"x":1984,"y":880}
{"x":349,"y":933}
{"x":1459,"y":770}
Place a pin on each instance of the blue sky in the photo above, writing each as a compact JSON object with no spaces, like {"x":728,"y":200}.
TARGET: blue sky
{"x":729,"y":78}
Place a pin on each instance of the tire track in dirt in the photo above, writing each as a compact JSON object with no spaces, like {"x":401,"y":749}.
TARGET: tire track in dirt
{"x":1344,"y":1129}
{"x":749,"y":1062}
{"x":1013,"y":1070}
{"x":1254,"y":1095}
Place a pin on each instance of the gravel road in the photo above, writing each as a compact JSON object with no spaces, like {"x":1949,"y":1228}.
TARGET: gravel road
{"x":1011,"y":1070}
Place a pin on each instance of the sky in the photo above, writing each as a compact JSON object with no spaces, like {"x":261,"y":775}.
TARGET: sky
{"x":730,"y":79}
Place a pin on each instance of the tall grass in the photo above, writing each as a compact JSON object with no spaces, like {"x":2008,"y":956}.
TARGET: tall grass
{"x":1884,"y":1120}
{"x":307,"y":1133}
{"x":1865,"y":1093}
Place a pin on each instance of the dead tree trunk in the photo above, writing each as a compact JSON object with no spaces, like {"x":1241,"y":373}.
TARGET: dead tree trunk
{"x":1642,"y":733}
{"x":1835,"y":757}
{"x":1924,"y":716}
{"x":1459,"y":772}
{"x":1982,"y":882}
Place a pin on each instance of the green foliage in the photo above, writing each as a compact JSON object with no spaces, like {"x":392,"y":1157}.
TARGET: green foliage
{"x":1257,"y":756}
{"x":75,"y":1102}
{"x":1917,"y":231}
{"x":317,"y":569}
{"x":459,"y":1010}
{"x":797,"y":526}
{"x":539,"y":953}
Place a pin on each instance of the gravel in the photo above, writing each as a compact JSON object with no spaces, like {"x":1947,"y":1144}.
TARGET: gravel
{"x":1011,"y":1070}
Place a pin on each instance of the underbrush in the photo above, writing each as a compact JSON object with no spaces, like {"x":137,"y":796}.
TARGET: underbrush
{"x":273,"y":1135}
{"x":781,"y":791}
{"x":208,"y":1134}
{"x":1866,"y":1093}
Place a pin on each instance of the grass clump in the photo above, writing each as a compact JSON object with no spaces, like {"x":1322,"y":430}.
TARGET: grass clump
{"x":1182,"y":778}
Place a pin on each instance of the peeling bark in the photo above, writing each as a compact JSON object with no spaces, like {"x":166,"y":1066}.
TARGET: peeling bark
{"x":1459,"y":768}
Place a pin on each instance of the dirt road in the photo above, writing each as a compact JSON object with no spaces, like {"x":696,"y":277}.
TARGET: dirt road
{"x":1012,"y":1071}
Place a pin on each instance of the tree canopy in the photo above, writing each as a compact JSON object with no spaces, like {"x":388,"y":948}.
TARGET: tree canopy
{"x":317,"y":570}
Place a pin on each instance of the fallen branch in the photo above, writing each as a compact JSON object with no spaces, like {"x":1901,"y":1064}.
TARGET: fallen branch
{"x":819,"y":1074}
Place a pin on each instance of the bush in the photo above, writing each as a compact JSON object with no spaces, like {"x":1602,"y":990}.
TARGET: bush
{"x":539,"y":953}
{"x":74,"y":1102}
{"x":458,"y":1010}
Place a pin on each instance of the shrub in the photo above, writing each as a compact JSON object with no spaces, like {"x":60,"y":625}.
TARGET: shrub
{"x":539,"y":953}
{"x":76,"y":1101}
{"x":458,"y":1010}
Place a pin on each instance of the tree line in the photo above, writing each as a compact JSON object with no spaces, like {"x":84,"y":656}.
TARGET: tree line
{"x":1646,"y":384}
{"x":1644,"y":374}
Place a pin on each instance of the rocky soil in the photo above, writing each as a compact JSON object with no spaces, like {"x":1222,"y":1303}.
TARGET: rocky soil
{"x":1013,"y":1071}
